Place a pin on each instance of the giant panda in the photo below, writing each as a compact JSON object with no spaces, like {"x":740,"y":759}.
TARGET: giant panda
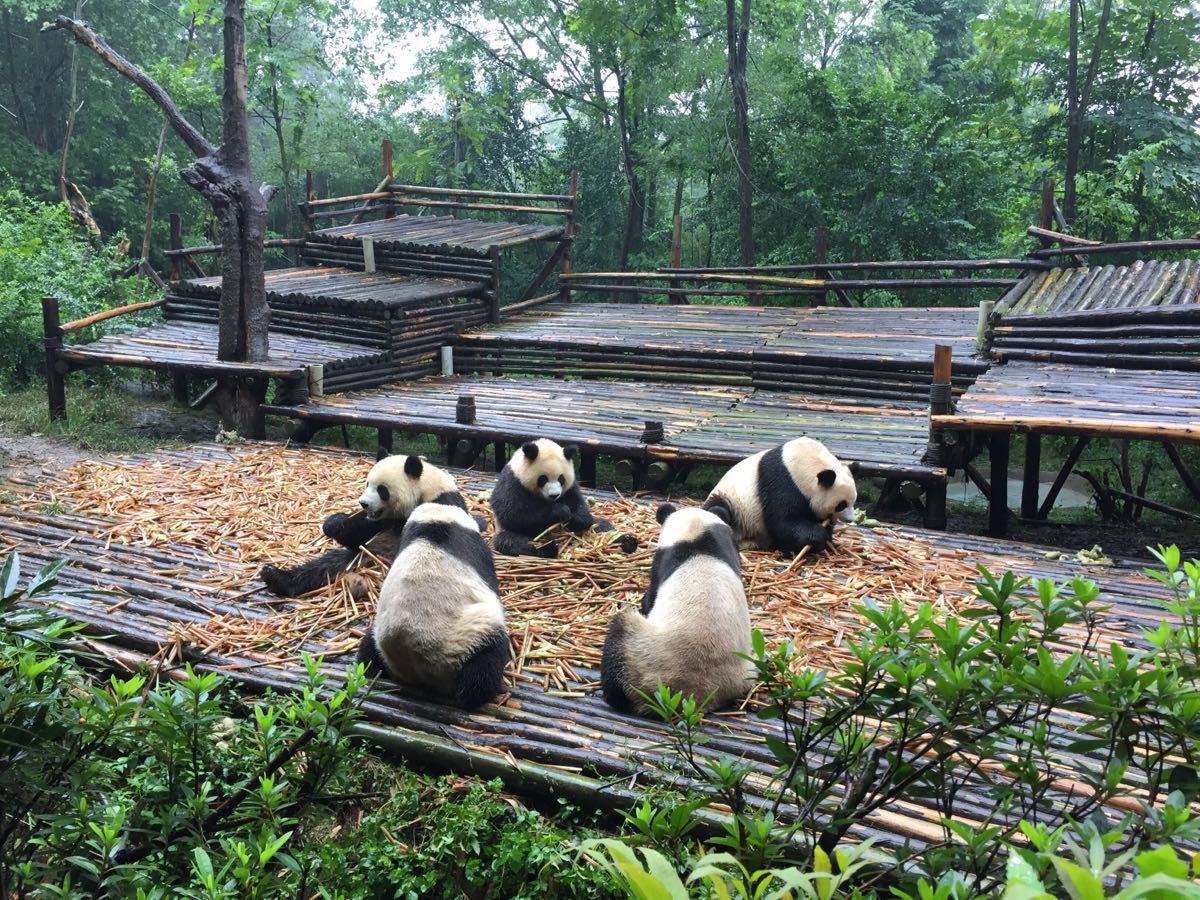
{"x":693,"y":620}
{"x":396,"y":485}
{"x":786,"y":498}
{"x":439,"y":623}
{"x":535,"y":490}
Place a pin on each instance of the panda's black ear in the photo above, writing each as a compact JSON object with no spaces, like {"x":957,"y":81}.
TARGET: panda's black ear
{"x":721,"y":511}
{"x":826,"y":478}
{"x":530,"y":449}
{"x":665,"y":510}
{"x":570,"y":451}
{"x":413,"y":467}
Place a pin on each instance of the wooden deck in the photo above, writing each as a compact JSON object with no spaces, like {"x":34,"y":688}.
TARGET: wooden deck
{"x":544,"y":738}
{"x":325,"y":286}
{"x":443,"y":233}
{"x":1081,"y":400}
{"x":700,"y":423}
{"x":192,"y":347}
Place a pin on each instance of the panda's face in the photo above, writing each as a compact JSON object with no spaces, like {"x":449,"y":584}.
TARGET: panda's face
{"x":397,"y":484}
{"x":823,"y":478}
{"x":544,"y":468}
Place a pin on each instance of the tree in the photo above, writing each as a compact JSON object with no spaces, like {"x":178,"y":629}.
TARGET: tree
{"x":222,"y":175}
{"x":737,"y":36}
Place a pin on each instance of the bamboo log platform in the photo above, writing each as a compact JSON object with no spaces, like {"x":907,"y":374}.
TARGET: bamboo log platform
{"x":1142,"y":315}
{"x":701,"y":423}
{"x":1054,"y":398}
{"x":189,"y":347}
{"x":851,"y":354}
{"x":334,"y":287}
{"x":470,"y":237}
{"x":185,"y":592}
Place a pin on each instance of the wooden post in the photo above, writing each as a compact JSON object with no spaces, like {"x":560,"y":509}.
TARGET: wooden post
{"x":676,"y":259}
{"x":587,"y":469}
{"x":1031,"y":477}
{"x":56,"y":385}
{"x":998,"y":503}
{"x":179,"y":387}
{"x":174,"y":270}
{"x":499,"y":455}
{"x":494,"y":299}
{"x":821,"y":255}
{"x":368,"y":248}
{"x":310,"y":194}
{"x":564,"y":288}
{"x":983,"y":328}
{"x":386,"y":442}
{"x":389,"y":211}
{"x":941,"y":402}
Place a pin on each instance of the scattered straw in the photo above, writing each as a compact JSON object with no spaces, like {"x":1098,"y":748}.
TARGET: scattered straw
{"x":263,"y":505}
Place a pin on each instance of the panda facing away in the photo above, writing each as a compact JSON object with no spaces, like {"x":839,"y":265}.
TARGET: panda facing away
{"x":535,"y":490}
{"x":693,"y":620}
{"x":786,"y":498}
{"x":439,"y":623}
{"x":396,"y":485}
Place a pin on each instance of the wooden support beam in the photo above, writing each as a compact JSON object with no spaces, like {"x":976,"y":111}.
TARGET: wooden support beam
{"x":389,"y":211}
{"x":587,"y":469}
{"x":56,"y":384}
{"x":547,"y":268}
{"x":998,"y":502}
{"x":1061,"y":478}
{"x":1032,"y":476}
{"x":935,"y":505}
{"x":179,"y":387}
{"x":494,"y":297}
{"x":499,"y":455}
{"x":977,"y":479}
{"x":386,"y":442}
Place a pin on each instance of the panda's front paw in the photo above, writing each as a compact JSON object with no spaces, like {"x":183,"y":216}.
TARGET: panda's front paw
{"x":548,"y":550}
{"x":602,"y":525}
{"x":628,"y":543}
{"x":560,"y":513}
{"x":276,"y":580}
{"x":336,"y":526}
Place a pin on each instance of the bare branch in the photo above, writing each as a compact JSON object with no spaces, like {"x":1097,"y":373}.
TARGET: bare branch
{"x":84,"y":35}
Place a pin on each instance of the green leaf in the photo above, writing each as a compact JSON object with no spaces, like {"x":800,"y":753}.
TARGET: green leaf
{"x":1078,"y":881}
{"x":1162,"y":860}
{"x":9,"y":575}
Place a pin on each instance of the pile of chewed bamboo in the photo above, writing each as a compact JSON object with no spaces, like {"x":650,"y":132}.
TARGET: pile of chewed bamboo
{"x":266,"y":504}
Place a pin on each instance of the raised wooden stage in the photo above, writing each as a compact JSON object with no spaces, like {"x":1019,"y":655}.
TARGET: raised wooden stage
{"x":187,"y":591}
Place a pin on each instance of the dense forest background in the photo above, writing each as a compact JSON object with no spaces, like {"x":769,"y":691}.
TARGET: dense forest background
{"x":910,"y":128}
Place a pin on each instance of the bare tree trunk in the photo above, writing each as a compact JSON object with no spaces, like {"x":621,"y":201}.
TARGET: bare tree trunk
{"x":635,"y":210}
{"x":285,"y":167}
{"x":737,"y":35}
{"x":1074,"y":119}
{"x":222,"y":176}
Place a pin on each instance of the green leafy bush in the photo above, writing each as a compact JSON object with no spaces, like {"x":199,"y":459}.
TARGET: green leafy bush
{"x":41,"y":254}
{"x":926,"y":702}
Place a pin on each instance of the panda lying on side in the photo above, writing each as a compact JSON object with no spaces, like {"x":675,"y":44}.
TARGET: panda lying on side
{"x":786,"y":499}
{"x":396,"y":485}
{"x":439,"y":623}
{"x":536,"y":490}
{"x":693,"y":620}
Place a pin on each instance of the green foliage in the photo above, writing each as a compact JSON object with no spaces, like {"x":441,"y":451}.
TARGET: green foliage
{"x":41,"y":254}
{"x":122,"y":786}
{"x":925,"y":697}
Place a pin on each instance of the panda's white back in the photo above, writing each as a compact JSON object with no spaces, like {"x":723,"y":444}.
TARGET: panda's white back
{"x":433,"y":611}
{"x":700,"y":620}
{"x":739,"y":488}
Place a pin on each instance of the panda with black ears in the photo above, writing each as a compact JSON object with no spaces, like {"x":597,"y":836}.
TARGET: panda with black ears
{"x":694,"y":621}
{"x":396,"y":485}
{"x":787,"y":498}
{"x":536,"y":490}
{"x":439,"y":623}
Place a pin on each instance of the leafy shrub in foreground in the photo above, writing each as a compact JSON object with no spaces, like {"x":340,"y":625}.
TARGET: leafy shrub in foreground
{"x":966,"y":713}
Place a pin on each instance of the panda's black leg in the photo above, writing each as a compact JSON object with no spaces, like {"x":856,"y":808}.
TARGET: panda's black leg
{"x":510,"y":543}
{"x":481,"y":677}
{"x":371,"y":658}
{"x":309,"y":576}
{"x":614,"y":672}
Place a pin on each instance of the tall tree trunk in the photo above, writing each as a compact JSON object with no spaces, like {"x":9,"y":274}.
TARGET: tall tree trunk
{"x":737,"y":36}
{"x":1074,"y":119}
{"x":223,"y":177}
{"x":635,"y":208}
{"x":285,"y":165}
